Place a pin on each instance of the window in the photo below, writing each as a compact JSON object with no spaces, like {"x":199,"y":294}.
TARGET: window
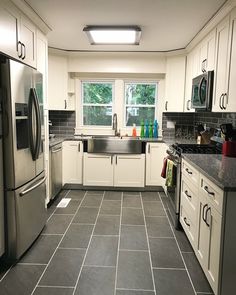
{"x":140,"y":102}
{"x":97,"y":99}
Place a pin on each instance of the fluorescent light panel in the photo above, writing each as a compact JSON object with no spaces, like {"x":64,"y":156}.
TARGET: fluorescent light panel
{"x":109,"y":35}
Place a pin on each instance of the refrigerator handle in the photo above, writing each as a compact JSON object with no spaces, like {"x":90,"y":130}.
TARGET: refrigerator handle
{"x":38,"y":123}
{"x":31,"y":188}
{"x":30,"y":116}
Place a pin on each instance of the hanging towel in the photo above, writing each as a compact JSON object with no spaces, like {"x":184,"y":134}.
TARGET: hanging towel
{"x":163,"y":171}
{"x":170,"y":174}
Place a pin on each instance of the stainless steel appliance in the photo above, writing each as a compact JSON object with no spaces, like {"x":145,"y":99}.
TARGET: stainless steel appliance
{"x":173,"y":193}
{"x":23,"y":139}
{"x":2,"y":234}
{"x":202,"y":91}
{"x":55,"y":160}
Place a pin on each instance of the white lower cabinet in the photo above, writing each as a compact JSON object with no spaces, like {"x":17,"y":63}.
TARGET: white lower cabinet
{"x":114,"y":170}
{"x":72,"y":162}
{"x":98,"y":170}
{"x":155,"y":153}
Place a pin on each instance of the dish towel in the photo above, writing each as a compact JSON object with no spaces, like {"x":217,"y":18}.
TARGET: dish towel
{"x":163,"y":171}
{"x":170,"y":174}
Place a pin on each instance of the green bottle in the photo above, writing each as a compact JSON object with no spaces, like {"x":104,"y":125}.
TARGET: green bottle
{"x":142,"y":129}
{"x":150,"y":130}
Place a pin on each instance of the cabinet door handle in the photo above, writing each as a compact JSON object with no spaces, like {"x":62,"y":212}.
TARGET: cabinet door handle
{"x":204,"y":65}
{"x":203,"y":212}
{"x":188,"y":102}
{"x":166,"y":105}
{"x":116,"y":160}
{"x":224,"y":101}
{"x":65,"y":104}
{"x":111,"y":160}
{"x":207,"y":190}
{"x":208,"y":210}
{"x":186,"y":193}
{"x":19,"y":49}
{"x":79,"y":147}
{"x":24,"y":50}
{"x":189,"y":172}
{"x":149,"y":148}
{"x":220,"y":102}
{"x":185,"y":221}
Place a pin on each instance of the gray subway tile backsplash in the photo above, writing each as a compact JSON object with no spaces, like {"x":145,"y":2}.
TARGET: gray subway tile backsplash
{"x":63,"y":123}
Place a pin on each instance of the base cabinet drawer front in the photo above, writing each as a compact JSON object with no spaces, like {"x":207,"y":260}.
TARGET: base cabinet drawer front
{"x":213,"y":193}
{"x":129,"y":170}
{"x":190,"y":192}
{"x":98,"y":170}
{"x":72,"y":162}
{"x":190,"y":173}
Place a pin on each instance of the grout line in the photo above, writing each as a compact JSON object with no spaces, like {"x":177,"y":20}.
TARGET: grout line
{"x":56,"y":207}
{"x":86,"y":252}
{"x":104,"y":236}
{"x":132,"y":224}
{"x":153,"y":216}
{"x":187,"y":252}
{"x":67,"y":248}
{"x":112,"y":201}
{"x":133,"y":208}
{"x":6,"y":273}
{"x":30,"y":263}
{"x":151,"y":237}
{"x":55,"y":250}
{"x":62,"y":287}
{"x":70,"y":214}
{"x":180,"y":251}
{"x":170,"y":268}
{"x":45,"y":234}
{"x":94,"y":265}
{"x":109,"y":215}
{"x":118,"y":248}
{"x":83,"y":223}
{"x":148,"y":244}
{"x":132,"y":250}
{"x":90,"y":207}
{"x":140,"y":290}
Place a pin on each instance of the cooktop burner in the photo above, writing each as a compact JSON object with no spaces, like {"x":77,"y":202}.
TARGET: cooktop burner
{"x":196,"y":149}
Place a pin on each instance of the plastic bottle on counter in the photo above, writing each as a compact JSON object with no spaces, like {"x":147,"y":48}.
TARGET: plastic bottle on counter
{"x":134,"y":132}
{"x":150,"y":130}
{"x":146,"y":129}
{"x":142,"y":129}
{"x":155,"y":129}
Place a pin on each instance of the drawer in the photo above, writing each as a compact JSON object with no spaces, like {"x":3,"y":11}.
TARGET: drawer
{"x":188,"y":220}
{"x":190,"y":173}
{"x":190,"y":192}
{"x":213,"y":193}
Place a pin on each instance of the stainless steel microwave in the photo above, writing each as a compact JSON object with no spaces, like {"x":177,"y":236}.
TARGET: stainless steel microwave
{"x":202,"y":91}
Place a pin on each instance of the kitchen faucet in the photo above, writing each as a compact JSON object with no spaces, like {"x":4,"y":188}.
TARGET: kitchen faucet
{"x":114,"y":124}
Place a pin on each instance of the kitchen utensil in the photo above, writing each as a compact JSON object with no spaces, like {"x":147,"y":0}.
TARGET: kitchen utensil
{"x":227,"y":130}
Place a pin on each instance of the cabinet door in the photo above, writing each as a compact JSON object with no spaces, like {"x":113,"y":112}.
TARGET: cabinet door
{"x":231,"y":103}
{"x":155,"y":153}
{"x":222,"y":66}
{"x":9,"y":25}
{"x":98,"y":170}
{"x":207,"y":52}
{"x":72,"y":162}
{"x":129,"y":170}
{"x":175,"y":80}
{"x":188,"y":83}
{"x":27,"y":37}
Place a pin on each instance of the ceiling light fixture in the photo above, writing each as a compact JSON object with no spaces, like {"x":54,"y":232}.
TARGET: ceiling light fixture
{"x":113,"y":35}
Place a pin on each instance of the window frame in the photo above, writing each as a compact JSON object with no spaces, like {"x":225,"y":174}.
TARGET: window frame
{"x":95,"y":81}
{"x":140,"y":105}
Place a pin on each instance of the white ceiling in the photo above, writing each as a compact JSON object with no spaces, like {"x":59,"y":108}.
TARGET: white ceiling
{"x":166,"y":24}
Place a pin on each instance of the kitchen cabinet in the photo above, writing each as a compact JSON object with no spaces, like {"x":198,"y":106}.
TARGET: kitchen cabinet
{"x":18,"y":34}
{"x":114,"y":170}
{"x":98,"y":170}
{"x":155,"y":154}
{"x":175,"y":81}
{"x":72,"y":162}
{"x":59,"y":96}
{"x":207,"y":53}
{"x":220,"y":98}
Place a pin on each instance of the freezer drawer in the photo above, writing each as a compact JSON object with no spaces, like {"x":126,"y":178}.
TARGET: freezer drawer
{"x":55,"y":170}
{"x":26,"y":216}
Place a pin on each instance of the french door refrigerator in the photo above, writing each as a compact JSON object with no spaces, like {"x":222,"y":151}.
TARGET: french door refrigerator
{"x":23,"y":139}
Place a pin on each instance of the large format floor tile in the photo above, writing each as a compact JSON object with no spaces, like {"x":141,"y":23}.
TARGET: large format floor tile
{"x":70,"y":208}
{"x":42,"y":250}
{"x":77,"y":236}
{"x":150,"y":196}
{"x":132,"y":216}
{"x":96,"y":281}
{"x":158,"y":227}
{"x":63,"y":270}
{"x":132,"y":201}
{"x":57,"y":224}
{"x":111,"y":207}
{"x":75,"y":194}
{"x":172,"y":282}
{"x":153,"y":209}
{"x":107,"y":225}
{"x":133,"y":238}
{"x":91,"y":200}
{"x":165,"y":253}
{"x":134,"y":271}
{"x":102,"y":251}
{"x":53,"y":291}
{"x":21,"y":279}
{"x":132,"y":292}
{"x":112,"y":195}
{"x":86,"y":215}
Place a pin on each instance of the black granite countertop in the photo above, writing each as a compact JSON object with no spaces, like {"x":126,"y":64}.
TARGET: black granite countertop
{"x":219,"y":169}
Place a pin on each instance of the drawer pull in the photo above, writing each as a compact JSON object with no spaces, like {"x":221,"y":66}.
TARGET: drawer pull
{"x":189,"y":172}
{"x":186,"y":193}
{"x":185,"y":220}
{"x":207,"y":190}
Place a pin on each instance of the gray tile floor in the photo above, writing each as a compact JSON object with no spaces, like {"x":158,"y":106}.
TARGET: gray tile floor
{"x":107,"y":243}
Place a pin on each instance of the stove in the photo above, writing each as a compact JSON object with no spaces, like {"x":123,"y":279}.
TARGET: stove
{"x":180,"y":148}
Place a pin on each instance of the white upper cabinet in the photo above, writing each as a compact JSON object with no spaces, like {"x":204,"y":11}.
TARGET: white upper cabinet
{"x":207,"y":53}
{"x":220,"y":98}
{"x":58,"y":84}
{"x":18,"y":34}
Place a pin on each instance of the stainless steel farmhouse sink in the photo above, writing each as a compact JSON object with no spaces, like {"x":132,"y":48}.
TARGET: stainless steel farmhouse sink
{"x":114,"y":145}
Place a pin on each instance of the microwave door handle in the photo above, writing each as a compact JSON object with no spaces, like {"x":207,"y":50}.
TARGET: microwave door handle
{"x":199,"y":90}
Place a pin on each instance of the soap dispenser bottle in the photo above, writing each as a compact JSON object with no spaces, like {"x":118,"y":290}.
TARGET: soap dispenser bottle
{"x":155,"y":129}
{"x":134,"y":132}
{"x":146,"y":129}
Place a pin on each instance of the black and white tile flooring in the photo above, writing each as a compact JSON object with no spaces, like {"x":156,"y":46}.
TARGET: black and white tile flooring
{"x":107,"y":243}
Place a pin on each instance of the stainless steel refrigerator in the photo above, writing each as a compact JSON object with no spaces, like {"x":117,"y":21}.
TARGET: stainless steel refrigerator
{"x":23,"y":140}
{"x":2,"y":232}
